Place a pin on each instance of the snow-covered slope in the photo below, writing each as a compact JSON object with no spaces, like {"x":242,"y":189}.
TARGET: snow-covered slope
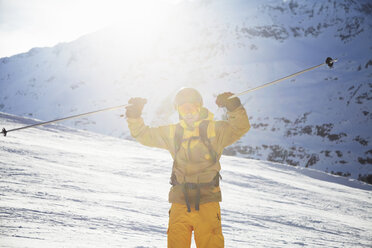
{"x":320,"y":119}
{"x":62,"y":187}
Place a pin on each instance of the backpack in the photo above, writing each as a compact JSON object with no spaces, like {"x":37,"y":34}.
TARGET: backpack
{"x":178,"y":138}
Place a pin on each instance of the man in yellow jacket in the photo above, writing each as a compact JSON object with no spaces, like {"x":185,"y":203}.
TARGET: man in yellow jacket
{"x":196,"y":144}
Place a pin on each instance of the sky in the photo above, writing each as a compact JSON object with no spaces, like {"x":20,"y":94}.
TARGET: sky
{"x":25,"y":24}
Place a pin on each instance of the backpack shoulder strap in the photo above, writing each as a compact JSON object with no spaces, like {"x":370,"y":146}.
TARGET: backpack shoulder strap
{"x":203,"y":132}
{"x":203,"y":127}
{"x":178,"y":136}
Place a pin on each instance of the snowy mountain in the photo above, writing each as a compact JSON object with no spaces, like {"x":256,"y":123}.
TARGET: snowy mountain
{"x":63,"y":187}
{"x":321,"y":119}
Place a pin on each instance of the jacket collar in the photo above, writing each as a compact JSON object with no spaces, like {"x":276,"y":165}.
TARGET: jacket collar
{"x":205,"y":114}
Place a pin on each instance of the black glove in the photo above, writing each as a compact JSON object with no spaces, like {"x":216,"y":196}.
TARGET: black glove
{"x":230,"y":104}
{"x":134,"y":110}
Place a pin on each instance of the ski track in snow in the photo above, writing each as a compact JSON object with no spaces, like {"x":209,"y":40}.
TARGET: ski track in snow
{"x":63,"y":187}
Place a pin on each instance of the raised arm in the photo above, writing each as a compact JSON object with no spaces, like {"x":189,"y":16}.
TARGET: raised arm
{"x":150,"y":136}
{"x":236,"y":126}
{"x":159,"y":137}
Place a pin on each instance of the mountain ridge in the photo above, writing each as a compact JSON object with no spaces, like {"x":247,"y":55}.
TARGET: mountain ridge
{"x":321,"y":119}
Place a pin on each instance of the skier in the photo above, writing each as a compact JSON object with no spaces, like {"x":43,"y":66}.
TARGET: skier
{"x":196,"y":144}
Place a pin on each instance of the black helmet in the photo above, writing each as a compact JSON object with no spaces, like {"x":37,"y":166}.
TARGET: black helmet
{"x":187,"y":95}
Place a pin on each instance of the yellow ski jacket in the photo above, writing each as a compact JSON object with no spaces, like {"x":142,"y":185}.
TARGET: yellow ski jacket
{"x":193,"y":163}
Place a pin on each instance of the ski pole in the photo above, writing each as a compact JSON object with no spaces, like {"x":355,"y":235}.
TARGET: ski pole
{"x":329,"y":61}
{"x":4,"y":131}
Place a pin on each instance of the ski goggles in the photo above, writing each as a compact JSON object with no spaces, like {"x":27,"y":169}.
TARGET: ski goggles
{"x":188,"y":108}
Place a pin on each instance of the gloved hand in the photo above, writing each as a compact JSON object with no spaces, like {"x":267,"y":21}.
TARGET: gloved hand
{"x":134,"y":110}
{"x":230,"y":104}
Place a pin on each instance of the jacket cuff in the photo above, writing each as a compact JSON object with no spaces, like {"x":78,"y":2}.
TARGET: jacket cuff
{"x":134,"y":120}
{"x":233,"y":104}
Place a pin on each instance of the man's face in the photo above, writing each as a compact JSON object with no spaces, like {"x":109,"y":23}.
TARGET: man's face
{"x":191,"y":118}
{"x":190,"y":112}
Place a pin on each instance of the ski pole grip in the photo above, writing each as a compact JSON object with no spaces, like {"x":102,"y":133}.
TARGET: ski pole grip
{"x":4,"y":131}
{"x":329,"y":61}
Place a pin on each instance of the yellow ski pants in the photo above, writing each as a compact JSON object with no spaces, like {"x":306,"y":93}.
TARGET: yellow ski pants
{"x":206,"y":224}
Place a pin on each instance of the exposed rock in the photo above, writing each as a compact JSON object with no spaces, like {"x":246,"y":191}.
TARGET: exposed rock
{"x":314,"y":158}
{"x":268,"y":31}
{"x":292,"y":162}
{"x":353,"y":27}
{"x":324,"y":129}
{"x":256,"y":126}
{"x":334,"y":137}
{"x":302,"y":119}
{"x":361,"y":141}
{"x":362,"y":97}
{"x":285,"y":120}
{"x":365,"y":178}
{"x":339,"y":173}
{"x":339,"y":154}
{"x":326,"y":153}
{"x":307,"y":130}
{"x":368,"y":63}
{"x":366,"y":160}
